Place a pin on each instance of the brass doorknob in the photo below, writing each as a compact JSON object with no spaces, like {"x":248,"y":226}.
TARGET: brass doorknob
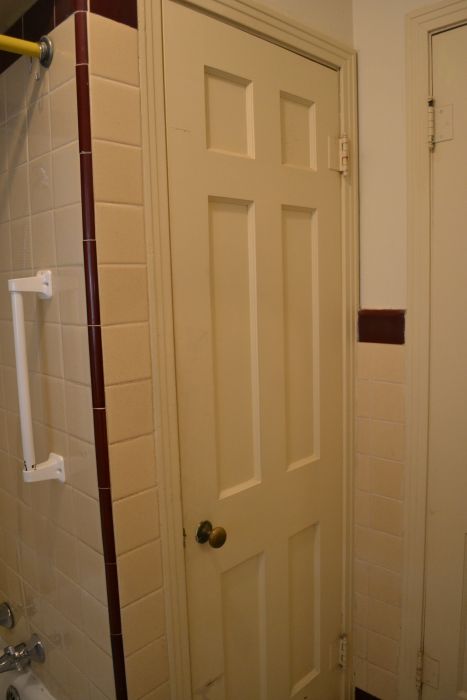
{"x":206,"y":533}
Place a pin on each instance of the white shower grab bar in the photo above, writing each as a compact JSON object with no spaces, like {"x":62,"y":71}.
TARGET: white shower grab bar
{"x":53,"y":467}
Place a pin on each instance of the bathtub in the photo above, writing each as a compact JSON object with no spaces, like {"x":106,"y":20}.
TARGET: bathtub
{"x":26,"y":684}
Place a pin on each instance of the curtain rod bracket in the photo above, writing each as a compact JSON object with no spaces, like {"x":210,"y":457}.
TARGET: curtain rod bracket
{"x":47,"y":51}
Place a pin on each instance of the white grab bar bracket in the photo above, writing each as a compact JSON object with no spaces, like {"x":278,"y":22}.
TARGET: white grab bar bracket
{"x":53,"y":467}
{"x":41,"y":283}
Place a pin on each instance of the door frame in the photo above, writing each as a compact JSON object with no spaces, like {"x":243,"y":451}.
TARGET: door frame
{"x":420,"y":26}
{"x":294,"y":36}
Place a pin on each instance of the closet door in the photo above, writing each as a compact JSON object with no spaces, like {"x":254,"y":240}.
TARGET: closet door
{"x":257,"y":291}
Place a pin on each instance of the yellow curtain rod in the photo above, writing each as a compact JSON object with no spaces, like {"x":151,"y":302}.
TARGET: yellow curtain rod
{"x":43,"y":49}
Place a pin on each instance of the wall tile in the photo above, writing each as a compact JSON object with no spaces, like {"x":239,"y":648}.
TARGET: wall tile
{"x":140,"y":572}
{"x":132,"y":466}
{"x":136,"y":520}
{"x":388,"y":363}
{"x":99,"y":665}
{"x":106,"y":57}
{"x":117,"y":304}
{"x":39,"y":125}
{"x":143,"y":622}
{"x":129,"y":410}
{"x":19,"y":189}
{"x":79,"y":411}
{"x":82,"y":466}
{"x":120,"y":233}
{"x":124,"y":162}
{"x":115,"y":112}
{"x":385,"y":586}
{"x":147,"y":669}
{"x":383,"y":652}
{"x":43,"y":241}
{"x":5,"y":247}
{"x":21,"y":247}
{"x":17,"y":139}
{"x":63,"y":65}
{"x":381,"y":684}
{"x":87,"y":520}
{"x":378,"y":548}
{"x":91,"y":572}
{"x":387,"y":440}
{"x":76,"y":354}
{"x":71,"y":295}
{"x":69,"y":235}
{"x":64,"y":114}
{"x":67,"y":184}
{"x":96,"y":621}
{"x":385,"y":514}
{"x":384,"y":619}
{"x":386,"y":477}
{"x":126,"y":353}
{"x":41,"y":184}
{"x":388,"y":401}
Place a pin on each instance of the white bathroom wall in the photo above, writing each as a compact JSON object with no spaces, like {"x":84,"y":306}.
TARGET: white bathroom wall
{"x":333,"y":17}
{"x":379,"y":37}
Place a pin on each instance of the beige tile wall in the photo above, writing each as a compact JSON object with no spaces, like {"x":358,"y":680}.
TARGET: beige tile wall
{"x":51,"y":562}
{"x":378,"y":517}
{"x":117,"y":162}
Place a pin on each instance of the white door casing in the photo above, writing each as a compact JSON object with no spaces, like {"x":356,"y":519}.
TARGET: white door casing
{"x":238,"y":214}
{"x":445,"y":616}
{"x":421,"y":26}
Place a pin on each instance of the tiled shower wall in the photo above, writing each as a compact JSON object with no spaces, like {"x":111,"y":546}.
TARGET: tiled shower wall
{"x":51,"y":563}
{"x":378,"y":517}
{"x":124,"y":314}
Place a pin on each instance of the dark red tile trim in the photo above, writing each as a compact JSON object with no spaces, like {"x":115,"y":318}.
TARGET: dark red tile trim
{"x":81,"y":38}
{"x":97,"y":369}
{"x":124,"y":11}
{"x":95,"y":353}
{"x":84,"y":107}
{"x":118,"y":656}
{"x":91,"y":275}
{"x":381,"y":326}
{"x":39,"y":20}
{"x":361,"y":695}
{"x":102,"y":448}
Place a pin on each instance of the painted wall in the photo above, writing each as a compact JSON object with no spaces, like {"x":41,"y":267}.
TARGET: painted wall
{"x":379,"y":37}
{"x":332,"y":17}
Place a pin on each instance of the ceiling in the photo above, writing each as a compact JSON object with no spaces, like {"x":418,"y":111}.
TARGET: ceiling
{"x":10,"y":10}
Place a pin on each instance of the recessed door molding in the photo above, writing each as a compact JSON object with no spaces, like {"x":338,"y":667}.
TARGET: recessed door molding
{"x":293,"y":36}
{"x":420,"y":26}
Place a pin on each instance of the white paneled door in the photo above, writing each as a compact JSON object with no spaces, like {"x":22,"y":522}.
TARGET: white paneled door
{"x":445,"y":673}
{"x":256,"y":242}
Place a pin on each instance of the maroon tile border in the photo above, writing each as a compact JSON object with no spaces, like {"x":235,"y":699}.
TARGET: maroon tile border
{"x":124,"y":11}
{"x":45,"y":15}
{"x":381,"y":326}
{"x":96,"y":356}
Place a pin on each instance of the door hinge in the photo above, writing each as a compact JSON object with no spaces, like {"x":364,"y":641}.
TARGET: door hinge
{"x":427,"y":672}
{"x":419,"y":671}
{"x":344,"y":155}
{"x":431,"y":123}
{"x":342,"y":653}
{"x":440,"y":123}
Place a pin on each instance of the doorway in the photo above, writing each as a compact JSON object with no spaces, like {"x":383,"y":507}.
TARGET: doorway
{"x":255,"y":208}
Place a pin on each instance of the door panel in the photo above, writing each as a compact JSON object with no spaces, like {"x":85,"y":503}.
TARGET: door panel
{"x":258,"y":318}
{"x":446,"y":566}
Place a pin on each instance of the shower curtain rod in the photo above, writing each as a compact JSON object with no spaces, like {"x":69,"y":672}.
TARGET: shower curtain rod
{"x":43,"y":49}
